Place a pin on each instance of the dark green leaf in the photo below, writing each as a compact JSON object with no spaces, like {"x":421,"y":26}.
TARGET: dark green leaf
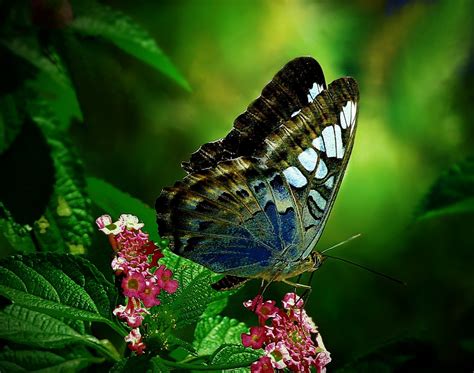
{"x":11,"y":121}
{"x":25,"y":326}
{"x":58,"y":285}
{"x":51,"y":361}
{"x":119,"y":29}
{"x":28,"y":49}
{"x":235,"y":354}
{"x":211,"y":333}
{"x":115,"y":202}
{"x":119,"y":366}
{"x":453,"y":192}
{"x":27,"y":175}
{"x":157,"y":366}
{"x":61,"y":99}
{"x":17,"y":235}
{"x":194,"y":293}
{"x":66,"y":224}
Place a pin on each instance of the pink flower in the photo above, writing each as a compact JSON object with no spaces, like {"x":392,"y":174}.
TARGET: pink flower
{"x":262,"y":365}
{"x":291,"y":300}
{"x":322,"y":359}
{"x":255,"y":338}
{"x":164,"y":281}
{"x":278,"y":354}
{"x":266,"y":310}
{"x":149,"y":295}
{"x":252,"y":304}
{"x":132,"y":313}
{"x":306,"y":320}
{"x":136,"y":258}
{"x":134,"y":338}
{"x":291,"y":341}
{"x":133,"y":284}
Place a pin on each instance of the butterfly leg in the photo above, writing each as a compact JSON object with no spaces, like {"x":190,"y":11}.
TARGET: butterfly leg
{"x":296,"y":285}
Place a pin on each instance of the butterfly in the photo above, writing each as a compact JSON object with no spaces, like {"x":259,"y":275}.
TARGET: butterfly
{"x":254,"y":203}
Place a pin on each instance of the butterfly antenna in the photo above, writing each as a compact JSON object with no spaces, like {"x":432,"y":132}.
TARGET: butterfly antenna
{"x":342,"y":243}
{"x":368,"y":269}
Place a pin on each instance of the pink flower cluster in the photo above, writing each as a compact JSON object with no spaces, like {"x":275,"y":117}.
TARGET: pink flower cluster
{"x":290,"y":340}
{"x":136,"y":260}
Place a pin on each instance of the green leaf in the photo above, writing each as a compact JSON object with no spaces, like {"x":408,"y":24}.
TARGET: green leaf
{"x":115,"y":202}
{"x":61,"y":99}
{"x":157,"y":366}
{"x":50,"y":361}
{"x":194,"y":292}
{"x":131,"y":364}
{"x":60,"y":286}
{"x":11,"y":121}
{"x":452,"y":193}
{"x":17,"y":235}
{"x":119,"y":29}
{"x":29,"y":50}
{"x":67,"y":223}
{"x":213,"y":332}
{"x":235,"y":354}
{"x":25,"y":326}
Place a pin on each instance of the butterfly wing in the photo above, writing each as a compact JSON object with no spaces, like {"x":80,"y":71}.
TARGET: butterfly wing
{"x":291,"y":89}
{"x":255,"y":202}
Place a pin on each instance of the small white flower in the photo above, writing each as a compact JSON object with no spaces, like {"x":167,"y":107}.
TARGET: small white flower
{"x":118,"y":263}
{"x":130,"y":221}
{"x":103,"y":221}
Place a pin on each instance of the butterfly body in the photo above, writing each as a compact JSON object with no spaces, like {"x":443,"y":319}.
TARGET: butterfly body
{"x":255,"y":203}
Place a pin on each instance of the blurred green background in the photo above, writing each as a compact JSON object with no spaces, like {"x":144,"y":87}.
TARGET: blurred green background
{"x":414,"y":62}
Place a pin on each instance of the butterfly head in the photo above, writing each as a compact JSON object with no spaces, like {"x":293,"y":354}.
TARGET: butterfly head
{"x":317,"y":259}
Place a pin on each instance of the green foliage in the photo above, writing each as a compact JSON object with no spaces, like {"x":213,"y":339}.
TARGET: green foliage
{"x":234,"y":354}
{"x":28,"y":49}
{"x":415,"y":74}
{"x":115,"y":202}
{"x":194,"y":294}
{"x":119,"y":29}
{"x":59,"y":286}
{"x":17,"y":235}
{"x":25,"y":326}
{"x":10,"y":121}
{"x":38,"y":360}
{"x":67,"y":217}
{"x":211,"y":333}
{"x":452,"y":193}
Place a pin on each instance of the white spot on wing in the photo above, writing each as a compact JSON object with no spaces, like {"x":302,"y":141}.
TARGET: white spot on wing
{"x":329,"y":182}
{"x":321,"y":170}
{"x":353,"y":113}
{"x":348,"y":114}
{"x":318,"y":198}
{"x":329,"y":138}
{"x":308,"y":159}
{"x":339,"y":147}
{"x":318,"y":143}
{"x":345,"y":115}
{"x":314,"y":91}
{"x":295,"y":113}
{"x":295,"y":177}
